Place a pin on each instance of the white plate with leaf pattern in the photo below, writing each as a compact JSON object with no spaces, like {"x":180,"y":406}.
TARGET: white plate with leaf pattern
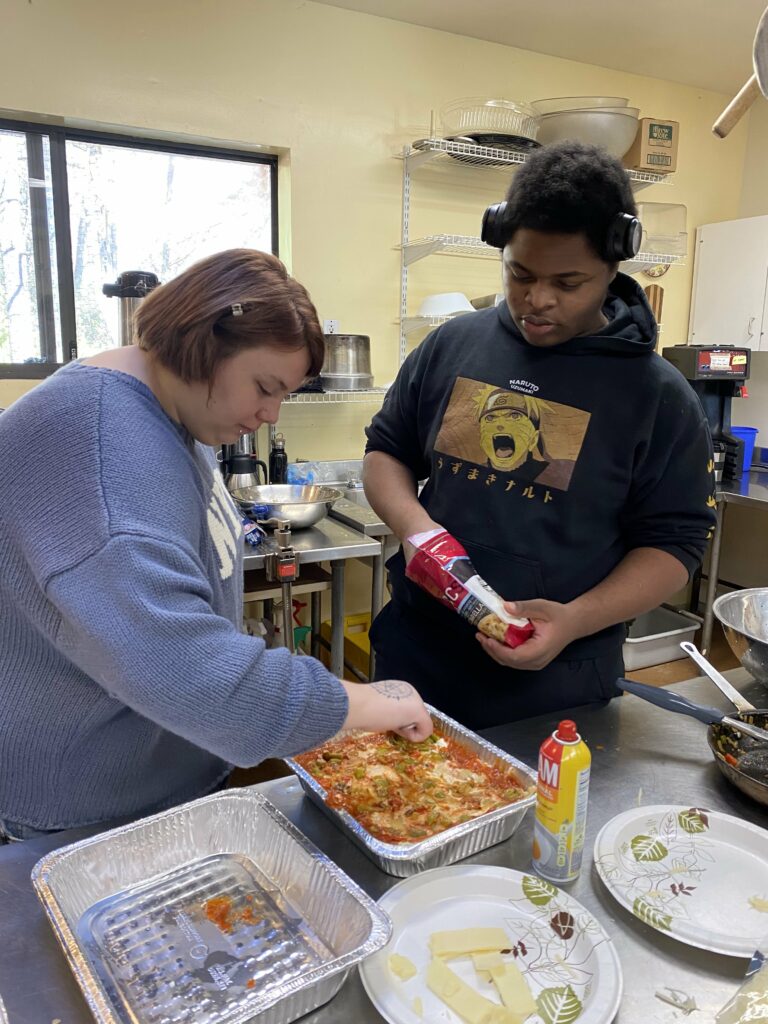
{"x":569,"y":963}
{"x":697,"y":875}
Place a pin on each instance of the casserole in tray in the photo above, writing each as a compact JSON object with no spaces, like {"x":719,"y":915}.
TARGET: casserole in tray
{"x":454,"y":843}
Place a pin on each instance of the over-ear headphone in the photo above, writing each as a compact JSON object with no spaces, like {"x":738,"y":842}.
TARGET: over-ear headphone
{"x":623,"y":242}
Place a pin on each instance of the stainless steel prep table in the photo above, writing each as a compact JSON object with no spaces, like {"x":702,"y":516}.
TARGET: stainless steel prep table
{"x":750,"y":489}
{"x":641,"y":755}
{"x":359,"y":516}
{"x":329,"y":541}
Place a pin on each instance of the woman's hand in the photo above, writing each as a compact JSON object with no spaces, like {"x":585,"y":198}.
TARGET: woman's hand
{"x":387,"y":706}
{"x":554,"y":628}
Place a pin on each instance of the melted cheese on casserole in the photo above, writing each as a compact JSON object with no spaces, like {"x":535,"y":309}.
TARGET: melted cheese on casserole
{"x":402,"y":792}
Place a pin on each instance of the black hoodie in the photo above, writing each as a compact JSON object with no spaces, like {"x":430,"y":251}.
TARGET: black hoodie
{"x":550,"y":464}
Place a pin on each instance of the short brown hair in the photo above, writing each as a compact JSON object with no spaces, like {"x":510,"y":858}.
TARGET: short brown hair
{"x":237,"y":299}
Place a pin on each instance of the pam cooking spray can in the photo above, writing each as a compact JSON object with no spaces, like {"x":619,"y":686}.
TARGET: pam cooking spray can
{"x":561,"y":804}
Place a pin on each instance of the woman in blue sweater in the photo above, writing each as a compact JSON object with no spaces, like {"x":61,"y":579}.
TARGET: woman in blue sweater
{"x":126,"y":684}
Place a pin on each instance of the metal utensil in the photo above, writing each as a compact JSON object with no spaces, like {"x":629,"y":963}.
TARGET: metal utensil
{"x":302,"y":505}
{"x":675,"y":702}
{"x":757,"y":84}
{"x":733,"y":695}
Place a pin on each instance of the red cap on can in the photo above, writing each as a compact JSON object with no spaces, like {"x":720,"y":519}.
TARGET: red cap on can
{"x":566,"y":732}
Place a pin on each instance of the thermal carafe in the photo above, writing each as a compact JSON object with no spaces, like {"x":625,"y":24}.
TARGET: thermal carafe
{"x":130,"y":288}
{"x":240,"y":463}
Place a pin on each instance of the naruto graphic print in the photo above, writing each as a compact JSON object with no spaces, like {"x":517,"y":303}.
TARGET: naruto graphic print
{"x":509,"y":432}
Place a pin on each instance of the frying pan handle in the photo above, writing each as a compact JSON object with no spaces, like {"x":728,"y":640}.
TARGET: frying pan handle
{"x":737,"y":108}
{"x":671,"y":701}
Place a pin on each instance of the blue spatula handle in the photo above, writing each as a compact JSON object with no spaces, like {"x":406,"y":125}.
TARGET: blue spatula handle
{"x":671,"y":701}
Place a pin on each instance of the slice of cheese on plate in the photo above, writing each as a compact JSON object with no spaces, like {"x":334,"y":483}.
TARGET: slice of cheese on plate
{"x":463,"y":999}
{"x":513,"y":989}
{"x":464,"y":941}
{"x":487,"y":961}
{"x":401,"y":966}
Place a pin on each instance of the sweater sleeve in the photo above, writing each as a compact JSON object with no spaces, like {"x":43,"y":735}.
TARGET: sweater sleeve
{"x":671,"y":505}
{"x":136,"y":617}
{"x":395,"y":429}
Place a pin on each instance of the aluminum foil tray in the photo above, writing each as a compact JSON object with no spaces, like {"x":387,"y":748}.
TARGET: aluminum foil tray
{"x":216,"y":912}
{"x":404,"y":859}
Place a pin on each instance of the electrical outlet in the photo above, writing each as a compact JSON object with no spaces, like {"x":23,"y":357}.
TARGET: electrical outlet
{"x":330,"y":326}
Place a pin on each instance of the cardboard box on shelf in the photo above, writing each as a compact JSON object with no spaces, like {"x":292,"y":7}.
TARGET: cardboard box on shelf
{"x":655,"y":146}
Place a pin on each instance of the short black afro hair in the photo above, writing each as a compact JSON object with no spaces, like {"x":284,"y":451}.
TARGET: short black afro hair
{"x":569,"y":188}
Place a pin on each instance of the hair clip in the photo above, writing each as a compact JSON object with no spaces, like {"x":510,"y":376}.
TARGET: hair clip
{"x":237,"y":308}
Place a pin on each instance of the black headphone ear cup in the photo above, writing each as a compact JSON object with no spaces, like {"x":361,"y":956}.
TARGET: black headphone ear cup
{"x":624,"y":237}
{"x":634,"y":238}
{"x":492,"y":230}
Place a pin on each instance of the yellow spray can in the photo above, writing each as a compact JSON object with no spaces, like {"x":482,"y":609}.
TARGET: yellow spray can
{"x":561,"y":804}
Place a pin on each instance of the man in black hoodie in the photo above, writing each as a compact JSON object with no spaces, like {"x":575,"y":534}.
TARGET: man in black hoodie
{"x":570,"y":460}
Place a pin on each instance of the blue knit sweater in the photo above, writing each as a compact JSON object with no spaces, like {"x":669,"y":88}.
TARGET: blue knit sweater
{"x":126,"y":684}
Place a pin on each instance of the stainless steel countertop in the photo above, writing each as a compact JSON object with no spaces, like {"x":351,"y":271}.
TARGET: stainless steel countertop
{"x":750,"y":489}
{"x":641,"y":755}
{"x":359,"y":516}
{"x":326,"y":542}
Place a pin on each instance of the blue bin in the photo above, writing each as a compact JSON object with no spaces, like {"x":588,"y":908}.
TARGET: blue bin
{"x":747,"y":435}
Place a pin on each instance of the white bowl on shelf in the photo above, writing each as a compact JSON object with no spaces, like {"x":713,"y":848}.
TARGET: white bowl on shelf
{"x":612,"y":128}
{"x":555,"y":104}
{"x":446,"y":304}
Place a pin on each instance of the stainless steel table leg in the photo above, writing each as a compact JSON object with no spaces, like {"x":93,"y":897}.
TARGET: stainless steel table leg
{"x":337,"y":618}
{"x":287,"y":598}
{"x":377,"y":599}
{"x":714,"y":570}
{"x":315,"y":622}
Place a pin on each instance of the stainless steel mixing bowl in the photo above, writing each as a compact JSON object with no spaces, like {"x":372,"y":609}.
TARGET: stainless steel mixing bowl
{"x":744,"y":617}
{"x":302,"y":505}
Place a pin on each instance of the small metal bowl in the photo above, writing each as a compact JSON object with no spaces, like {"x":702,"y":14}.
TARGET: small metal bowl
{"x":744,"y":617}
{"x":302,"y":505}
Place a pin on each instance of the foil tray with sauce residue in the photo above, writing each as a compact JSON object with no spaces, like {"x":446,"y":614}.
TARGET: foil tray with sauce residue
{"x":216,"y":912}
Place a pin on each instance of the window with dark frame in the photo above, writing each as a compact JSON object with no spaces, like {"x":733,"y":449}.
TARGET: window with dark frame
{"x":77,"y":208}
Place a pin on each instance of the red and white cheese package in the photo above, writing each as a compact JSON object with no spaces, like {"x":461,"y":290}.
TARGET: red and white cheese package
{"x":442,"y":567}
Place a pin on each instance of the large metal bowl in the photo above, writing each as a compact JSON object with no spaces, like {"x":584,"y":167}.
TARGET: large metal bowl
{"x":302,"y":505}
{"x":744,"y":617}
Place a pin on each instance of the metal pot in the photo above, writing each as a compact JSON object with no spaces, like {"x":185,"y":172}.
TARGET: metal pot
{"x":347,"y":363}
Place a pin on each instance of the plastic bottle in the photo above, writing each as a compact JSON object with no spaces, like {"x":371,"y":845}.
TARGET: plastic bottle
{"x":278,"y":461}
{"x":561,"y":804}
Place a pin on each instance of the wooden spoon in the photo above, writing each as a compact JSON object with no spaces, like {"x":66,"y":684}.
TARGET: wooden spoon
{"x":756,"y":86}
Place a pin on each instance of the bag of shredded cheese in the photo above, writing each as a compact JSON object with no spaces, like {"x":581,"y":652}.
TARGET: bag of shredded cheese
{"x":442,"y":567}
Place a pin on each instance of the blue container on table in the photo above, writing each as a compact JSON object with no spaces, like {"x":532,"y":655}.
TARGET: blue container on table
{"x":747,"y":435}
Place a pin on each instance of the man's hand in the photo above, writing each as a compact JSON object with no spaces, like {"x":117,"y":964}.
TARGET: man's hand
{"x":554,"y":628}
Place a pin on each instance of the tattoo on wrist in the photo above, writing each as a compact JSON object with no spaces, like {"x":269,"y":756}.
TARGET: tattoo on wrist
{"x":394,"y":689}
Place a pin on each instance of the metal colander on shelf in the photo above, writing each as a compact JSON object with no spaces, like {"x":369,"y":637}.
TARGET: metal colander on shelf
{"x":479,"y":115}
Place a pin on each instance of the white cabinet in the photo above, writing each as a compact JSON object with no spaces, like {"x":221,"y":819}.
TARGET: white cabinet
{"x":730,"y":276}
